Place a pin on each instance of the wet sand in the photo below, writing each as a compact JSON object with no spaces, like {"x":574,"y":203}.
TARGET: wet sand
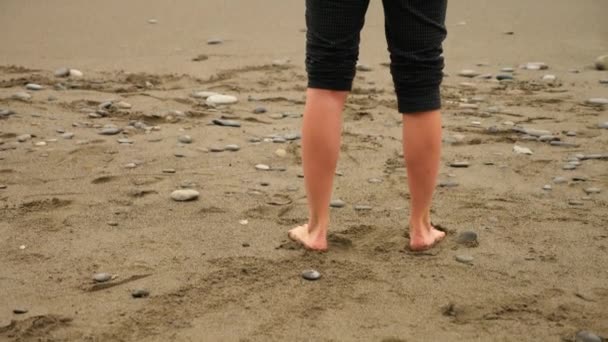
{"x":74,"y":206}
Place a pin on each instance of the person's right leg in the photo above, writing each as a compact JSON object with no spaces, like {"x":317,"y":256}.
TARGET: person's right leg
{"x":332,"y":48}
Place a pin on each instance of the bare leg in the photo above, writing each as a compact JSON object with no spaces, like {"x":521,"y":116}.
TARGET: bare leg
{"x":422,"y":150}
{"x":321,"y":128}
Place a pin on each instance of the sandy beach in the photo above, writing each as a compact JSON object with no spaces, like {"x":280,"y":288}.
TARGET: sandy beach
{"x":104,"y":115}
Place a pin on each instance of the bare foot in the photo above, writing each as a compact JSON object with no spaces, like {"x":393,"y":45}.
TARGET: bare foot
{"x":315,"y":240}
{"x":424,"y":238}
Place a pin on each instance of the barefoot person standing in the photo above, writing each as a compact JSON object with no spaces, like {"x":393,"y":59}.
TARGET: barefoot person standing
{"x":415,"y":30}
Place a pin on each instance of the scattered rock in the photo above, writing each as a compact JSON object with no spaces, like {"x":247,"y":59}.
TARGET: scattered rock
{"x":33,"y":86}
{"x":168,"y":171}
{"x":598,"y":101}
{"x":603,"y":125}
{"x":232,"y":147}
{"x":560,"y":180}
{"x":122,"y":105}
{"x":311,"y":275}
{"x":67,"y":135}
{"x":575,"y":202}
{"x":363,"y":67}
{"x":549,"y":78}
{"x":110,"y":131}
{"x":601,"y":63}
{"x":140,"y":293}
{"x":337,"y":203}
{"x":126,"y":141}
{"x":152,"y":21}
{"x":280,"y":152}
{"x":259,"y":110}
{"x":19,"y":311}
{"x":216,"y":100}
{"x":535,"y":66}
{"x":592,"y":190}
{"x":569,"y":167}
{"x":62,"y":72}
{"x":228,"y":123}
{"x":463,"y":258}
{"x":203,"y":94}
{"x":522,"y":150}
{"x":467,"y":238}
{"x":503,"y":77}
{"x":215,"y":41}
{"x":361,"y":207}
{"x":448,"y":184}
{"x":75,"y":73}
{"x":459,"y":164}
{"x":468,"y":73}
{"x":23,"y":137}
{"x":102,"y":277}
{"x":262,"y":167}
{"x":184,"y":195}
{"x":547,"y":187}
{"x":22,"y":96}
{"x":185,"y":139}
{"x":374,"y":180}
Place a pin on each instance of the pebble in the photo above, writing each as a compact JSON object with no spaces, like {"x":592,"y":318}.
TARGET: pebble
{"x":463,"y":258}
{"x":603,"y":125}
{"x":130,"y":166}
{"x":33,"y":86}
{"x":279,"y":140}
{"x":560,"y":180}
{"x":502,"y":77}
{"x":575,"y":202}
{"x":311,"y":275}
{"x":6,"y":113}
{"x":110,"y":131}
{"x":461,"y":164}
{"x":595,"y":156}
{"x":569,"y":167}
{"x":467,"y":238}
{"x":184,"y":195}
{"x":361,"y":207}
{"x":67,"y":135}
{"x":547,"y":187}
{"x":522,"y":150}
{"x":468,"y":73}
{"x":571,"y":133}
{"x":507,"y":69}
{"x":243,"y":222}
{"x":75,"y":73}
{"x":232,"y":147}
{"x":23,"y":137}
{"x":579,"y":178}
{"x":22,"y":96}
{"x":185,"y":139}
{"x":604,"y":81}
{"x":546,"y":138}
{"x":601,"y":63}
{"x":152,"y":21}
{"x":337,"y":203}
{"x":203,"y":94}
{"x":262,"y":167}
{"x":102,"y":277}
{"x":590,"y":191}
{"x":448,"y":184}
{"x":598,"y":101}
{"x":40,"y":143}
{"x":374,"y":180}
{"x":122,"y":105}
{"x":535,"y":66}
{"x":112,"y":223}
{"x":259,"y":110}
{"x":293,"y":136}
{"x":280,"y":152}
{"x":125,"y":141}
{"x":563,"y":144}
{"x":140,"y":293}
{"x":228,"y":123}
{"x":363,"y":67}
{"x":62,"y":72}
{"x":216,"y":149}
{"x":3,"y":186}
{"x":549,"y":78}
{"x":216,"y":100}
{"x":214,"y":41}
{"x":168,"y":171}
{"x":19,"y":311}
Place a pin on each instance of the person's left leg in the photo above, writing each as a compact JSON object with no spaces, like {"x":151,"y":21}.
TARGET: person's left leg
{"x":415,"y":31}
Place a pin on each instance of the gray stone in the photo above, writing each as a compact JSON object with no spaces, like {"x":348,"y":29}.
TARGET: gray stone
{"x":126,"y":141}
{"x":535,"y":66}
{"x":19,"y":311}
{"x":468,"y":73}
{"x":597,"y":101}
{"x":203,"y":94}
{"x":374,"y":180}
{"x":603,"y":125}
{"x":604,"y":81}
{"x":531,"y":131}
{"x":228,"y":123}
{"x":337,"y":203}
{"x":3,"y":186}
{"x":463,"y":258}
{"x":22,"y":96}
{"x":569,"y":167}
{"x":467,"y":238}
{"x":4,"y":113}
{"x":216,"y":149}
{"x":546,"y":138}
{"x":279,"y":140}
{"x":361,"y":207}
{"x":311,"y":275}
{"x":595,"y":156}
{"x":293,"y":136}
{"x":168,"y":171}
{"x":579,"y":178}
{"x":140,"y":293}
{"x":593,"y":190}
{"x":232,"y":147}
{"x":214,"y":41}
{"x":24,"y":137}
{"x":563,"y":144}
{"x":262,"y":167}
{"x":62,"y":72}
{"x":363,"y":67}
{"x":459,"y":164}
{"x":522,"y":150}
{"x":110,"y":131}
{"x":448,"y":184}
{"x":102,"y":277}
{"x":560,"y":180}
{"x":507,"y":69}
{"x":259,"y":110}
{"x":184,"y":195}
{"x":571,"y":133}
{"x":503,"y":77}
{"x":547,"y":187}
{"x":575,"y":202}
{"x":219,"y":99}
{"x":33,"y":86}
{"x":185,"y":139}
{"x":601,"y":63}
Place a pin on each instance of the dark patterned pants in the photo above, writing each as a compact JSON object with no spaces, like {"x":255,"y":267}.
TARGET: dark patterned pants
{"x":415,"y":30}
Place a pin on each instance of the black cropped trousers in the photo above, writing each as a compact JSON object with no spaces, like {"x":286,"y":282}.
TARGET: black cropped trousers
{"x":414,"y":29}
